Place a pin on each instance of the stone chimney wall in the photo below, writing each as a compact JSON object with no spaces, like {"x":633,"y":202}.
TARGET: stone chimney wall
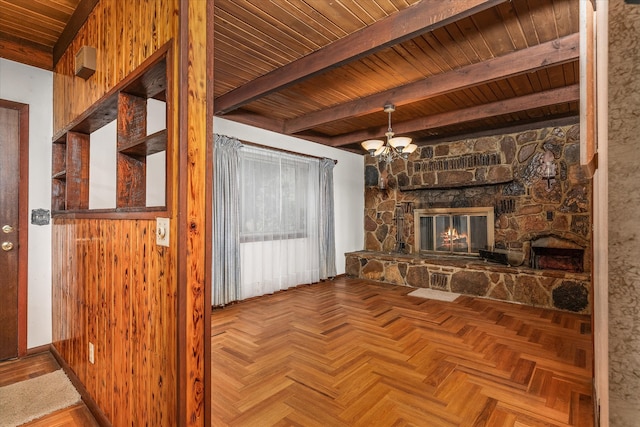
{"x":504,"y":171}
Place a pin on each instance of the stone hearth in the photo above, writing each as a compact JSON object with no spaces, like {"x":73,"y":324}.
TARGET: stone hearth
{"x":555,"y":289}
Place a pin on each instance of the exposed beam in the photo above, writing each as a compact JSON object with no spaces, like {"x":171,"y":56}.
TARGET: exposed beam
{"x":521,"y":126}
{"x":26,"y":53}
{"x":76,"y":21}
{"x":420,"y":18}
{"x":256,"y":120}
{"x":537,"y":57}
{"x":512,"y":105}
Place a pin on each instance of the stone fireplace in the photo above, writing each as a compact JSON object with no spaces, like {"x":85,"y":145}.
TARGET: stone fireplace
{"x":527,"y":191}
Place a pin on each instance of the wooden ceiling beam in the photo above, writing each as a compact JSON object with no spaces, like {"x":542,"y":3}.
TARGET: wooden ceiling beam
{"x":408,"y":23}
{"x":536,"y":100}
{"x":79,"y":17}
{"x":523,"y":61}
{"x":255,"y":120}
{"x":26,"y":53}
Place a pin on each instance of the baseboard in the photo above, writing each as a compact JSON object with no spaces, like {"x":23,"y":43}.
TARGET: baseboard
{"x":97,"y":413}
{"x":37,"y":350}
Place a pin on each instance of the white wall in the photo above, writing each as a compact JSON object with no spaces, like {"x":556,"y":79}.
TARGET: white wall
{"x":348,"y":177}
{"x":33,"y":86}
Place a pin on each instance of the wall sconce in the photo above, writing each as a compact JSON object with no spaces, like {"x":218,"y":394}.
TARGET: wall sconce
{"x":548,"y":169}
{"x":85,"y":64}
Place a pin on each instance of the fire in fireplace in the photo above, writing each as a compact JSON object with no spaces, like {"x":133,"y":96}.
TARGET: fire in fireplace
{"x":453,"y":230}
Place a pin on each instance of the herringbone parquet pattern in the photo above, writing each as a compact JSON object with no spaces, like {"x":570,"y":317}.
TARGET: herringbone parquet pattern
{"x":356,"y":353}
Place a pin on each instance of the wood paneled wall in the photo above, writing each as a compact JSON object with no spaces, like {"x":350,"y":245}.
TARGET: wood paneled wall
{"x":113,"y":288}
{"x":112,"y":285}
{"x":124,"y":33}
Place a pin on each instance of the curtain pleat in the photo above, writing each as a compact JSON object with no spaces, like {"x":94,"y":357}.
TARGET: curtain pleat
{"x":327,"y":220}
{"x":226,"y":220}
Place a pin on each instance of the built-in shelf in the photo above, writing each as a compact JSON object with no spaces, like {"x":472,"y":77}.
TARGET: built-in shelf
{"x":126,"y":103}
{"x":148,"y":145}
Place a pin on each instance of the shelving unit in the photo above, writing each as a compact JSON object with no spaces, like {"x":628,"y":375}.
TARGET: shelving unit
{"x":126,"y":103}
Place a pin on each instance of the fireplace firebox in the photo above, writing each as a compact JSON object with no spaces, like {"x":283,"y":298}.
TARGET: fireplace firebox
{"x":557,"y":254}
{"x":457,"y":231}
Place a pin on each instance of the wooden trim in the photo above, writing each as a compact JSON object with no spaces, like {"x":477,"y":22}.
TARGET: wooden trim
{"x":23,"y":221}
{"x":208,"y":251}
{"x":523,"y":103}
{"x":116,"y":214}
{"x":97,"y":413}
{"x":79,"y":17}
{"x":420,"y":18}
{"x":545,"y":55}
{"x":191,"y":213}
{"x":38,"y":350}
{"x":588,"y":99}
{"x":23,"y":250}
{"x":600,"y":233}
{"x":181,"y":212}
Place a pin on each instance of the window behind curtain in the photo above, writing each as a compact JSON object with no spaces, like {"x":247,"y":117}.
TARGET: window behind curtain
{"x":274,"y":196}
{"x":279,"y":214}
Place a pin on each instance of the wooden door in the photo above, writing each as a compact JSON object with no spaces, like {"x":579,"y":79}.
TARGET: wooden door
{"x":10,"y":126}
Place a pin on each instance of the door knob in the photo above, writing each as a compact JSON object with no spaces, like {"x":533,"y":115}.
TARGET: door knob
{"x":7,"y":228}
{"x":7,"y":246}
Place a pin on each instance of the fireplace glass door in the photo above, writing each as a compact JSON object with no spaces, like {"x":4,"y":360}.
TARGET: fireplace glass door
{"x":454,"y":232}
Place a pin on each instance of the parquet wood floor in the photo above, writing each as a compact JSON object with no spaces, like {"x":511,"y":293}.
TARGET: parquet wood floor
{"x":356,"y":353}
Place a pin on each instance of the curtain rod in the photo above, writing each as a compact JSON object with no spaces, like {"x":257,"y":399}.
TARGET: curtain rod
{"x":267,"y":147}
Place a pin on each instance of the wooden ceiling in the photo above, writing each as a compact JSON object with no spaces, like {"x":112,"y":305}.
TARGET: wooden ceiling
{"x":37,"y":32}
{"x":323,"y":69}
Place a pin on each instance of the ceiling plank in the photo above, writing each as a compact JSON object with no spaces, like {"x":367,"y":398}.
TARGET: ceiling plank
{"x":25,"y":53}
{"x":536,"y":100}
{"x":404,"y":25}
{"x":76,"y":21}
{"x":522,"y":61}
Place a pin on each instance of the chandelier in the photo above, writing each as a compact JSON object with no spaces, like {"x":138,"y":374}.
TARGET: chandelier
{"x":395,"y":146}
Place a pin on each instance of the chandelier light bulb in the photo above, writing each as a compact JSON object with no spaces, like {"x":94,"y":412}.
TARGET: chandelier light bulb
{"x":395,"y":146}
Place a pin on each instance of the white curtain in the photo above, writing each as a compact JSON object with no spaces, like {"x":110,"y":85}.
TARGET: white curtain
{"x":279,"y":221}
{"x":226,"y":224}
{"x":327,"y":221}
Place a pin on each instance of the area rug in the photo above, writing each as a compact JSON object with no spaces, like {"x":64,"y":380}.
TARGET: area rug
{"x":434,"y":294}
{"x":33,"y":398}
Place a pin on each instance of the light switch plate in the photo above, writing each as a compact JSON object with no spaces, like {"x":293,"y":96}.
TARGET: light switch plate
{"x":92,"y":356}
{"x":162,"y":231}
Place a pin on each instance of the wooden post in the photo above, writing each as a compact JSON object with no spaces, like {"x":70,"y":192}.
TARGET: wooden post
{"x":195,"y":105}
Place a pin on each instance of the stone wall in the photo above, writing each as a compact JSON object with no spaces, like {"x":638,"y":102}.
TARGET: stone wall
{"x":503,"y":171}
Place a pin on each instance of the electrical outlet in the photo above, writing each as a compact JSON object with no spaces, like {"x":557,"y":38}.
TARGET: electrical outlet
{"x":92,"y":359}
{"x":162,"y":231}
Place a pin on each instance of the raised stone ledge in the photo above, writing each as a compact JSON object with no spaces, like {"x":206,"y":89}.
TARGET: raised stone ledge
{"x":554,"y":289}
